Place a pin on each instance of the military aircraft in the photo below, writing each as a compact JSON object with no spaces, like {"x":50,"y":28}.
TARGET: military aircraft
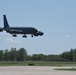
{"x":19,"y":30}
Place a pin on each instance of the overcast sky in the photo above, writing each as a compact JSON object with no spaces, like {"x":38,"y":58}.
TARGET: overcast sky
{"x":56,"y":18}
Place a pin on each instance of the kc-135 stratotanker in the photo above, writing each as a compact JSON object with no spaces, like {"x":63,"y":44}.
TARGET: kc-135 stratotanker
{"x":19,"y":30}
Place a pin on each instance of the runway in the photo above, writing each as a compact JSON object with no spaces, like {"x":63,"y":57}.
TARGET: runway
{"x":33,"y":70}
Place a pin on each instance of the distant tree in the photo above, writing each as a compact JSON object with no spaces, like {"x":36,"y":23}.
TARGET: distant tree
{"x":22,"y":54}
{"x":6,"y":55}
{"x":13,"y":54}
{"x":73,"y":54}
{"x":38,"y":57}
{"x":66,"y":55}
{"x":41,"y":57}
{"x":53,"y":58}
{"x":1,"y":55}
{"x":28,"y":57}
{"x":70,"y":55}
{"x":35,"y":57}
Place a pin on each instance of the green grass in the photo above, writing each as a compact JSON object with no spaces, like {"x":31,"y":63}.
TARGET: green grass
{"x":69,"y":69}
{"x":36,"y":63}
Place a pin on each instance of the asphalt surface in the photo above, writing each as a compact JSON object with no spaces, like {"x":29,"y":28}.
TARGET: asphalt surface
{"x":33,"y":70}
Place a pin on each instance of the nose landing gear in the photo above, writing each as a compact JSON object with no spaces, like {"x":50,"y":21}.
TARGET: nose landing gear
{"x":32,"y":36}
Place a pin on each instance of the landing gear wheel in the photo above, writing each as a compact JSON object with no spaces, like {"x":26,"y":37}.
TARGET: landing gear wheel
{"x":31,"y":35}
{"x":24,"y":36}
{"x":14,"y":35}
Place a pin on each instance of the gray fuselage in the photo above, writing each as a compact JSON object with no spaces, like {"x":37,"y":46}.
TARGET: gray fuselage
{"x":21,"y":30}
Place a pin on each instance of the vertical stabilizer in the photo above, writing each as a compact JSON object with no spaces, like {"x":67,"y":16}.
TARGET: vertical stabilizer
{"x":5,"y":21}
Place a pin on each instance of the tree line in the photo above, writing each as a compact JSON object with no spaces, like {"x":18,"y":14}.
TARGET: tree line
{"x":13,"y":54}
{"x":21,"y":55}
{"x":69,"y":55}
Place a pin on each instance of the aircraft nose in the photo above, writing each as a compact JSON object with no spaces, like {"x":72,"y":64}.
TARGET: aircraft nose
{"x":40,"y":33}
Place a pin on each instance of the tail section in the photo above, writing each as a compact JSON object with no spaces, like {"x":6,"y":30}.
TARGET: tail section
{"x":5,"y":21}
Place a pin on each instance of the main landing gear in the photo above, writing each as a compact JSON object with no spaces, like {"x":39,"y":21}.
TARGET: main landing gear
{"x":24,"y":36}
{"x":14,"y":35}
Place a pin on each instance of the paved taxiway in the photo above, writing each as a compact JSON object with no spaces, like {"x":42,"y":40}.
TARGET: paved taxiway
{"x":33,"y":70}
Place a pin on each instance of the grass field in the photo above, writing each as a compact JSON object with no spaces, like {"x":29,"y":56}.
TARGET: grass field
{"x":36,"y":63}
{"x":67,"y":69}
